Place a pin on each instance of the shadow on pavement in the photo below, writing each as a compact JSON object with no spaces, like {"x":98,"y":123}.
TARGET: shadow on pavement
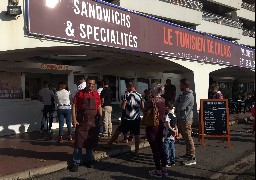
{"x":61,"y":156}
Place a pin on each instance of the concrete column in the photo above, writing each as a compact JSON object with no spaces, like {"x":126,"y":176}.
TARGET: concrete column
{"x":136,"y":80}
{"x":71,"y":80}
{"x":118,"y":83}
{"x":201,"y":79}
{"x":23,"y":84}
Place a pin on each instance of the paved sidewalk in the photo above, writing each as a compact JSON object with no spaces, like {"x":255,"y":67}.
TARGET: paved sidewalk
{"x":33,"y":153}
{"x":29,"y":154}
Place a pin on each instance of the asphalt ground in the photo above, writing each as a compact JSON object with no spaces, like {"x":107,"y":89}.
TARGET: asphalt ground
{"x":215,"y":160}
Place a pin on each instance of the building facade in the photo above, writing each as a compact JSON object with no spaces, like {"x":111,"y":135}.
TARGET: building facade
{"x":147,"y":41}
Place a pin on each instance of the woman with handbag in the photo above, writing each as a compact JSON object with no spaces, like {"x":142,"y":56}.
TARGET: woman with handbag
{"x":154,"y":121}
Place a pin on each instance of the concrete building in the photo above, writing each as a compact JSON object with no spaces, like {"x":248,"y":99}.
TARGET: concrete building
{"x":147,"y":41}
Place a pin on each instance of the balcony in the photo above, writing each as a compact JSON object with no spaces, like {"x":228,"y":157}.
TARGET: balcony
{"x":191,"y":4}
{"x":248,"y":38}
{"x":249,"y":7}
{"x":247,"y":12}
{"x":211,"y":17}
{"x":185,"y":11}
{"x":229,"y":4}
{"x":221,"y":26}
{"x":250,"y":33}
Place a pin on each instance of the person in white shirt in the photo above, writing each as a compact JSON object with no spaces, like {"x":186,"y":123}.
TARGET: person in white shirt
{"x":99,"y":87}
{"x":82,"y":84}
{"x":45,"y":96}
{"x":63,"y":100}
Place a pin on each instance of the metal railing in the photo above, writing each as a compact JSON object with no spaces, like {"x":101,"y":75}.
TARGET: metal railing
{"x":191,"y":4}
{"x":208,"y":16}
{"x":247,"y":32}
{"x":250,"y":7}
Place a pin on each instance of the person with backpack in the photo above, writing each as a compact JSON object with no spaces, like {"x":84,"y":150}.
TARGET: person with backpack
{"x":153,"y":119}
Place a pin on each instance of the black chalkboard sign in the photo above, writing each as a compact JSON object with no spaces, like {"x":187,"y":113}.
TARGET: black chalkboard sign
{"x":214,"y":119}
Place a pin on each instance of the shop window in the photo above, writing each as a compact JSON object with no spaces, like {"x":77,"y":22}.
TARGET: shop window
{"x":122,"y":85}
{"x":155,"y":81}
{"x":143,"y":84}
{"x":251,"y":86}
{"x":34,"y":83}
{"x":10,"y":86}
{"x":32,"y":88}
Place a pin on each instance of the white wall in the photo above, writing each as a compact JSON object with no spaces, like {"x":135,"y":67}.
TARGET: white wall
{"x":248,"y":41}
{"x":246,"y":14}
{"x":163,"y":9}
{"x":220,"y":30}
{"x":200,"y":75}
{"x":12,"y":32}
{"x":18,"y":116}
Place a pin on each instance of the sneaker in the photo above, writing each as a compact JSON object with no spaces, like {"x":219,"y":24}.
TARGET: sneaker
{"x":60,"y":140}
{"x":105,"y":136}
{"x":156,"y":173}
{"x":73,"y":167}
{"x":173,"y":163}
{"x":190,"y":161}
{"x":170,"y":164}
{"x":70,"y":138}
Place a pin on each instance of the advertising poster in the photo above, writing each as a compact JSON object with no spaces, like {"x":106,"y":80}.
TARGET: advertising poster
{"x":10,"y":85}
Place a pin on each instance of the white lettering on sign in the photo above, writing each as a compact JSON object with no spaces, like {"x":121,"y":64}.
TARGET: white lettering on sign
{"x":245,"y":60}
{"x":101,"y":34}
{"x":95,"y":11}
{"x":55,"y":67}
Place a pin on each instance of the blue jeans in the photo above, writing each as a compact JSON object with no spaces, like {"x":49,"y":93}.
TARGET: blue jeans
{"x":47,"y":109}
{"x":62,"y":114}
{"x":169,"y":144}
{"x":77,"y":154}
{"x":101,"y":127}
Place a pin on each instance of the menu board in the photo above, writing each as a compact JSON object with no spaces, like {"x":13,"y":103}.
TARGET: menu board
{"x":214,"y":120}
{"x":215,"y":117}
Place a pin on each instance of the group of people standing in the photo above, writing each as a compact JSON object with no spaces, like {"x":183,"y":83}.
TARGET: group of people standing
{"x":176,"y":116}
{"x":162,"y":136}
{"x":88,"y":107}
{"x":84,"y":111}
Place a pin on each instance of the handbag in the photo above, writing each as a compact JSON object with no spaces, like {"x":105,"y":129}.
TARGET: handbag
{"x":151,"y":117}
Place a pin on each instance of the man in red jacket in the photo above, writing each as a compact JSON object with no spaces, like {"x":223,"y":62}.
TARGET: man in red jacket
{"x":85,"y":109}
